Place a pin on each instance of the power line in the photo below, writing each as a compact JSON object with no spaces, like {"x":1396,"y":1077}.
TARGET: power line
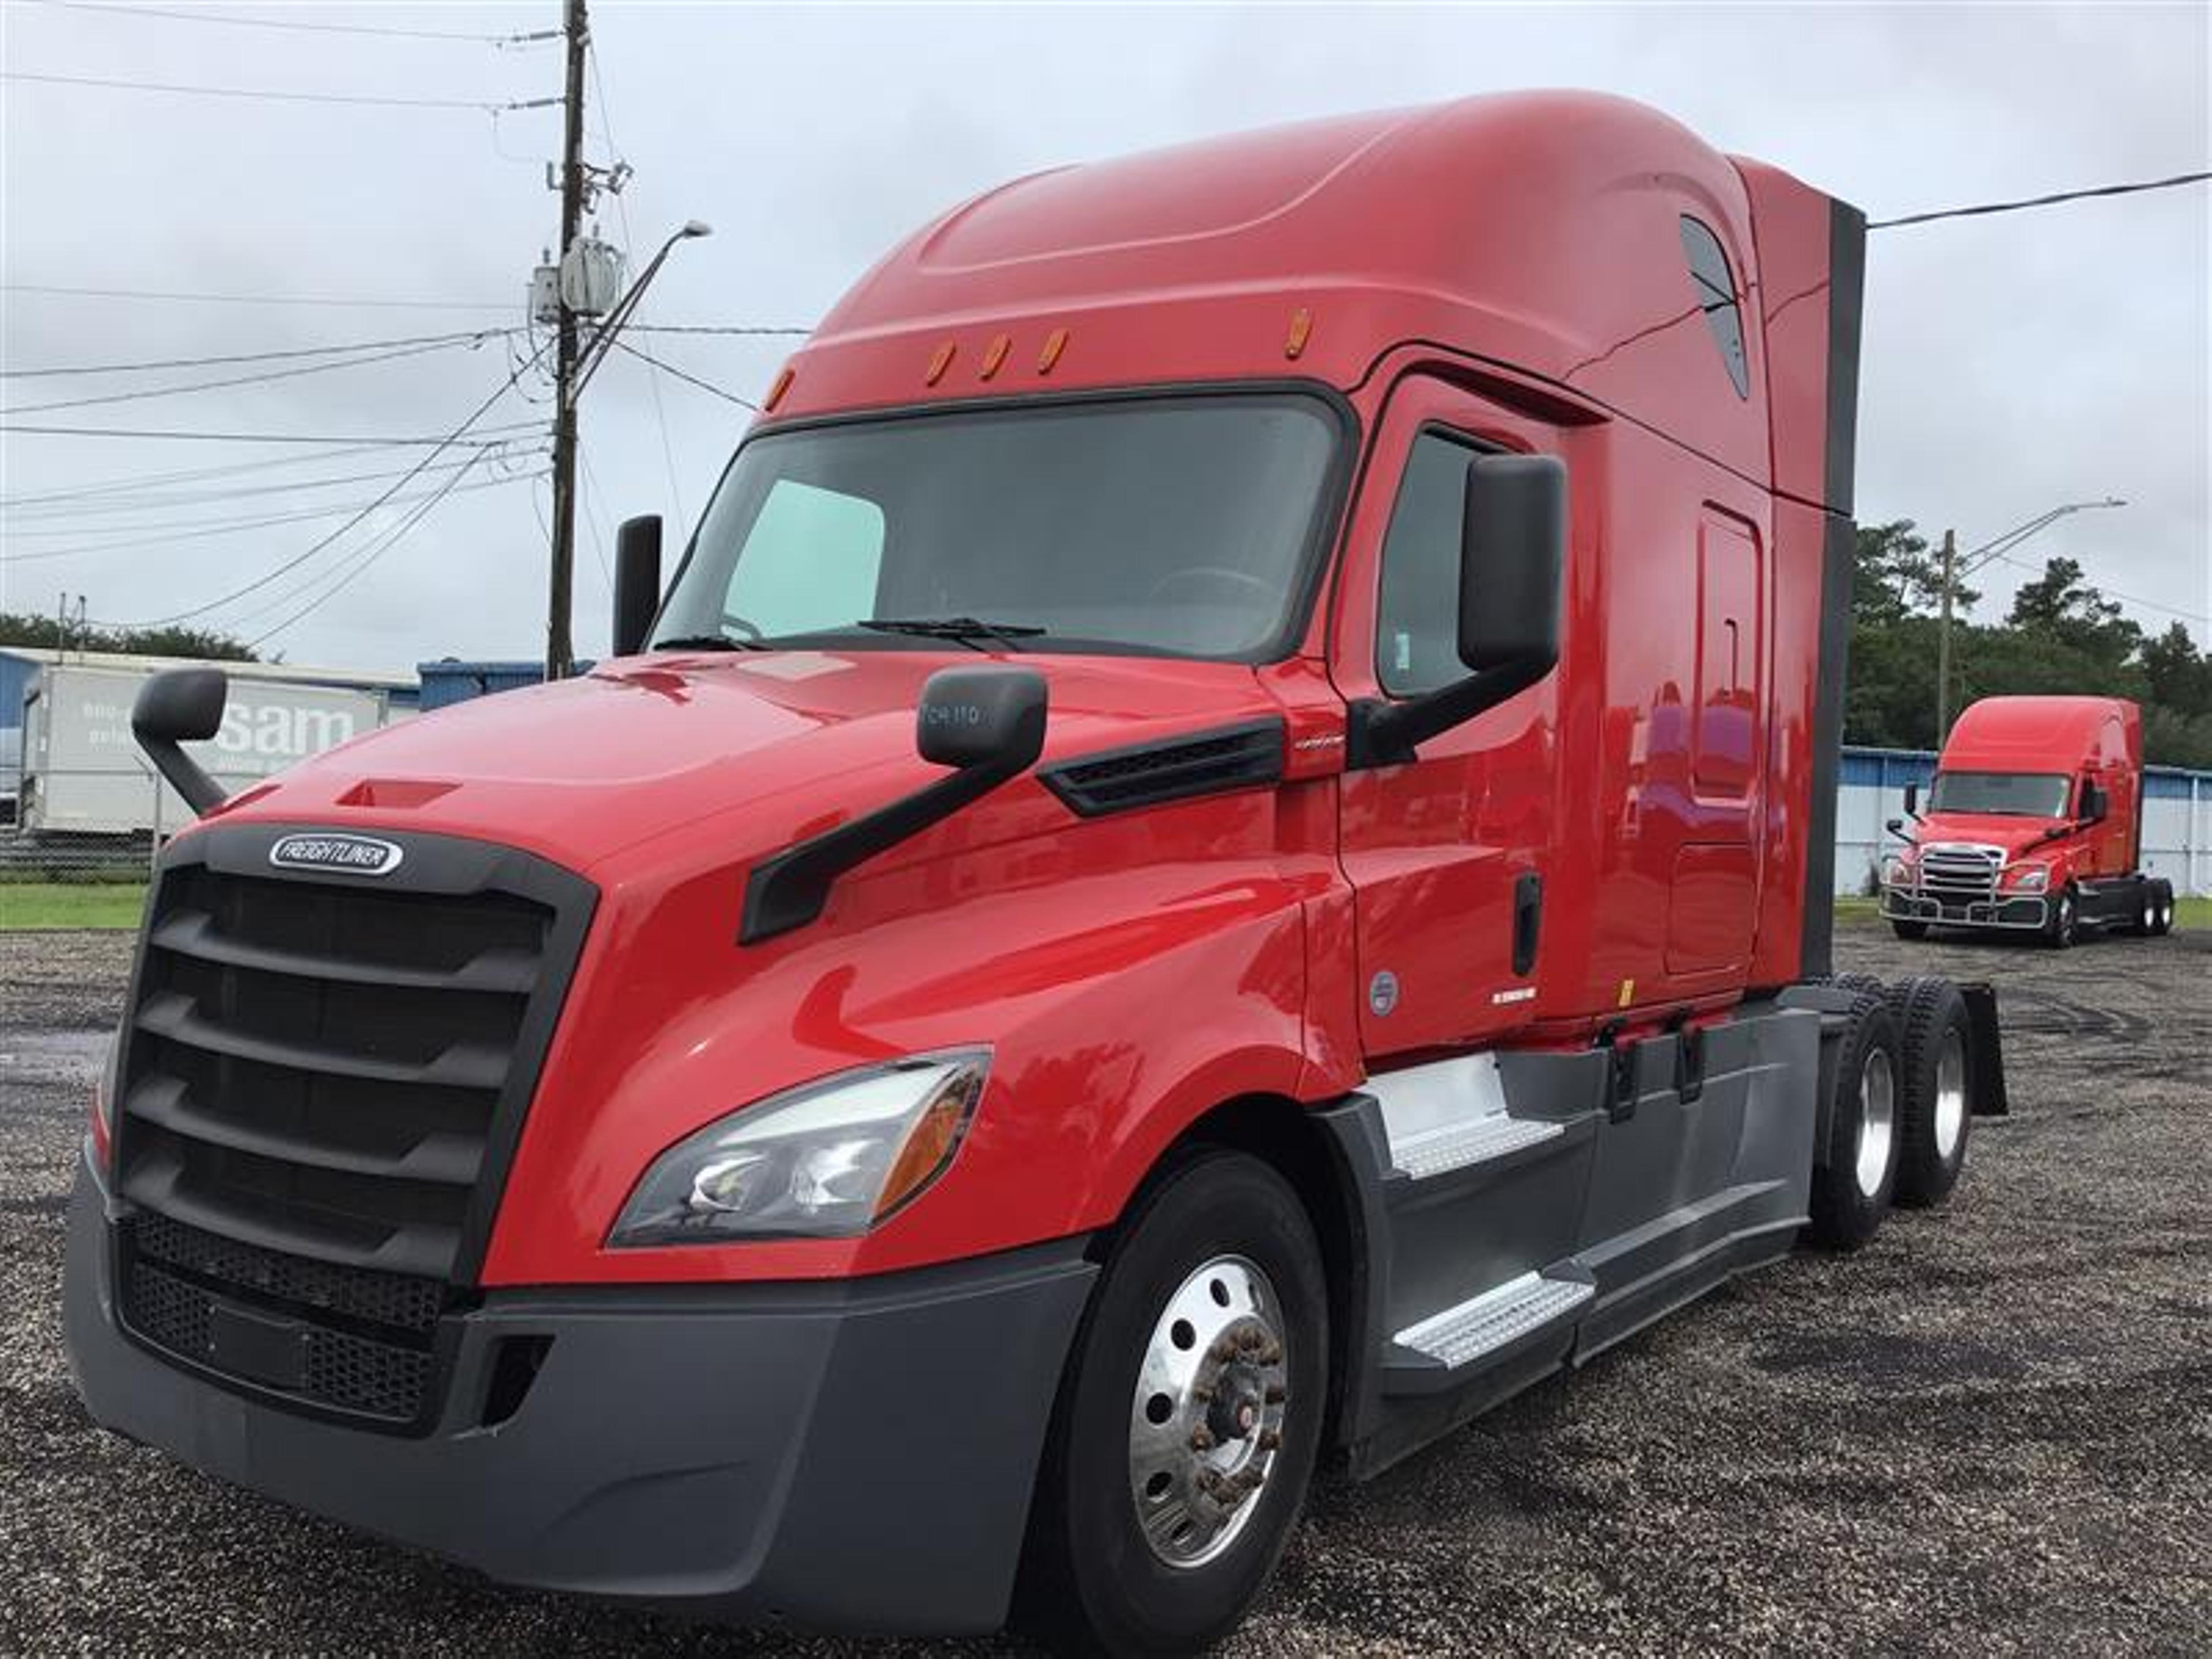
{"x":200,"y":529}
{"x":2051,"y":200}
{"x":2114,"y":594}
{"x":689,"y":379}
{"x":137,"y":481}
{"x":714,"y":328}
{"x":14,"y":512}
{"x":244,"y":437}
{"x":255,"y":299}
{"x":261,"y":379}
{"x":271,"y":94}
{"x":442,"y":444}
{"x":197,"y":16}
{"x":247,"y":356}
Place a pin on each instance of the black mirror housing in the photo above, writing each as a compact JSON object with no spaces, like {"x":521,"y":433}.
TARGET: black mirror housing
{"x":981,"y":717}
{"x":637,"y":583}
{"x":988,"y":724}
{"x":2095,"y":803}
{"x":1895,"y":826}
{"x":1912,"y":800}
{"x":1513,"y":547}
{"x":180,"y":706}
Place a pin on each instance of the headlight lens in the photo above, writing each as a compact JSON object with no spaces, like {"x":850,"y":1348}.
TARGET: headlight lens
{"x":103,"y":1104}
{"x":2029,"y":877}
{"x":828,"y":1160}
{"x":1897,"y":872}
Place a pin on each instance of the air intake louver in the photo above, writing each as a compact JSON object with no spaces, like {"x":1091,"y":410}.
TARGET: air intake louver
{"x":1175,"y":768}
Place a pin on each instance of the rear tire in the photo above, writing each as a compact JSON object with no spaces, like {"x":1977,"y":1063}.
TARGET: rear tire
{"x":1913,"y":930}
{"x":1201,"y":1367}
{"x":1853,"y":1187}
{"x":1935,"y":1099}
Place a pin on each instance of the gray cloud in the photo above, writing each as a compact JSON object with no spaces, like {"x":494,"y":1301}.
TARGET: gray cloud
{"x":2010,"y":363}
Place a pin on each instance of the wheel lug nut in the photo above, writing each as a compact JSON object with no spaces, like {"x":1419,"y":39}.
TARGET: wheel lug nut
{"x":1201,"y":1438}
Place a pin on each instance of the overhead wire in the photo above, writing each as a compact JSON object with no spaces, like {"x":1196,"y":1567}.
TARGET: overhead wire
{"x":194,"y":435}
{"x":13,"y":516}
{"x":1983,"y":208}
{"x":196,"y":15}
{"x":262,"y":377}
{"x":274,"y":94}
{"x":225,"y":358}
{"x":2114,"y":594}
{"x":327,"y":300}
{"x":689,"y":379}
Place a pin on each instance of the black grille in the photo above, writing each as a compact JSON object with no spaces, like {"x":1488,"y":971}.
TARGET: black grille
{"x":1203,"y":763}
{"x":324,"y":1078}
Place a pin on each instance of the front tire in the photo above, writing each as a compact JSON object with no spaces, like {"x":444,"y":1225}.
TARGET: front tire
{"x":2065,"y":924}
{"x":1189,"y":1419}
{"x":1853,"y":1187}
{"x":1909,"y":930}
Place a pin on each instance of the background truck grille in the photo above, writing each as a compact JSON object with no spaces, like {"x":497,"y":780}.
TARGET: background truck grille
{"x":324,"y":1079}
{"x":1959,"y":874}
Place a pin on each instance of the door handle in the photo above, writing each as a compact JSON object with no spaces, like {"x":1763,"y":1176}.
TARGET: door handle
{"x":1527,"y":921}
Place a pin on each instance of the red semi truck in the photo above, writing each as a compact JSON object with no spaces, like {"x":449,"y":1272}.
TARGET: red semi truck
{"x":2034,"y":825}
{"x":1218,"y":857}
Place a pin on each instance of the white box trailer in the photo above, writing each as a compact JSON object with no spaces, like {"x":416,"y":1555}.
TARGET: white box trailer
{"x":83,"y":773}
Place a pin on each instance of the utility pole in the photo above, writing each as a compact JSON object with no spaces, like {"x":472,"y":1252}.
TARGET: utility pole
{"x":560,"y":645}
{"x":1944,"y":640}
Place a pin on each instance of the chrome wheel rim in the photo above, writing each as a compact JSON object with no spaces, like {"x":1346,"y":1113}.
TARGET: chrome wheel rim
{"x":1206,"y":1422}
{"x":1877,"y":1121}
{"x":1950,"y":1094}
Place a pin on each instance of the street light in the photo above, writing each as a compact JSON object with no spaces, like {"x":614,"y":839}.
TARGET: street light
{"x":1957,"y":566}
{"x":603,"y":341}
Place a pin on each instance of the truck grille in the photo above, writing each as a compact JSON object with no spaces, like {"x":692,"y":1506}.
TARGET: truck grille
{"x":324,"y":1079}
{"x":1958,"y":873}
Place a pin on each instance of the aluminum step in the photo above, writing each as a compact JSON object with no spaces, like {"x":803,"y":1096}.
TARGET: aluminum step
{"x":1455,"y":1146}
{"x":1459,"y":1336}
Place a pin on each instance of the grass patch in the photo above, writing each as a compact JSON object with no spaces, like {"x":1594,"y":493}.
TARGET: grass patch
{"x":108,"y":904}
{"x":2192,"y":913}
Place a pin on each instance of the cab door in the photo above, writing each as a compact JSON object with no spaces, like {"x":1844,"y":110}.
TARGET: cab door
{"x":1445,"y":853}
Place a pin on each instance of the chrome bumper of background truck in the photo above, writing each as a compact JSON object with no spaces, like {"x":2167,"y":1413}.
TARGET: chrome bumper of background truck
{"x":2026,"y":911}
{"x":851,"y":1456}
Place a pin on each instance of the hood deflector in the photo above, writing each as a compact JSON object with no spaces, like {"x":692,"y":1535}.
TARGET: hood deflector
{"x":1242,"y":757}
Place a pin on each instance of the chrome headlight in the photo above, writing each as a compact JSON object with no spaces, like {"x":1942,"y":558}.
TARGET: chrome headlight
{"x":2030,"y":877}
{"x":103,"y":1103}
{"x":827,"y":1160}
{"x":1897,"y":872}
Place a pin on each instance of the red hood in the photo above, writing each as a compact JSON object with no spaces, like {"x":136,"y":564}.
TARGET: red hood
{"x":579,"y":771}
{"x":2010,"y":832}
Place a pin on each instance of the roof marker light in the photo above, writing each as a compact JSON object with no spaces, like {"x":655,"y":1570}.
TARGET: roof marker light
{"x":995,"y":354}
{"x":939,"y":361}
{"x":776,"y":392}
{"x":1054,"y":343}
{"x":1301,"y":327}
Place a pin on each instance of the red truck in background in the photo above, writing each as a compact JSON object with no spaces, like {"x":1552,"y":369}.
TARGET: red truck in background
{"x":1218,"y":856}
{"x":2034,"y":825}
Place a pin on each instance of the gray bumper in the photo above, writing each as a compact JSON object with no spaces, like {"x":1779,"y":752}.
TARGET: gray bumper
{"x":2025,"y":911}
{"x":856,"y":1455}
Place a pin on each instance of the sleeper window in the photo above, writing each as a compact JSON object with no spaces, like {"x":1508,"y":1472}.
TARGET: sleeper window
{"x":1714,"y":287}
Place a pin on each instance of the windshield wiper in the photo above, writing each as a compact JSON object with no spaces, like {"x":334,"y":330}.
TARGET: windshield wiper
{"x":966,"y":630}
{"x":707,"y":642}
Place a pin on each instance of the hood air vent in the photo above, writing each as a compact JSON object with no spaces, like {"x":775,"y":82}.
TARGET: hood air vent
{"x":1170,"y":769}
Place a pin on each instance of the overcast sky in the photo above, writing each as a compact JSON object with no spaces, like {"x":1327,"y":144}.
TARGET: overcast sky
{"x":2011,"y":363}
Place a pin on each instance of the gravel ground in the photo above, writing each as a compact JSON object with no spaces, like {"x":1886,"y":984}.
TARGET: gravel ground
{"x":1989,"y":1432}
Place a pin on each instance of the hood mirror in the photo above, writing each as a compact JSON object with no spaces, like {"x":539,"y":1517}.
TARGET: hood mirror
{"x":2095,"y":803}
{"x":637,"y":583}
{"x":981,"y":717}
{"x":1912,"y":800}
{"x":179,"y":706}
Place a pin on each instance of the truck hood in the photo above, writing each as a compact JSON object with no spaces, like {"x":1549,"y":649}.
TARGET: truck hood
{"x":787,"y":742}
{"x":2009,"y":832}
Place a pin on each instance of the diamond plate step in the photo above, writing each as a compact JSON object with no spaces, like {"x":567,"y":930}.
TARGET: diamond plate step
{"x":1453,"y":1147}
{"x":1459,"y":1336}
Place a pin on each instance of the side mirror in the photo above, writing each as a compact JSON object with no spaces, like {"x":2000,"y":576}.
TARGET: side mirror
{"x":1513,"y":546}
{"x":988,"y":724}
{"x":1513,"y":551}
{"x":1912,"y":800}
{"x":1895,"y":826}
{"x":637,"y":583}
{"x":981,"y":717}
{"x":2095,"y":803}
{"x":179,"y":706}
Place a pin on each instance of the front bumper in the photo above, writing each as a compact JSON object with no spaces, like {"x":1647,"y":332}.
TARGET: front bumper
{"x":855,"y":1456}
{"x":2026,"y":911}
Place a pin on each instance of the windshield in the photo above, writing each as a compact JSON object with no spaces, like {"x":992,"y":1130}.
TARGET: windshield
{"x":2015,"y":794}
{"x":1175,"y":526}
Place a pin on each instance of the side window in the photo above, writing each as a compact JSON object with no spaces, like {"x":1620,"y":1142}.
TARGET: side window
{"x":1417,"y":628}
{"x":1714,"y":285}
{"x":810,"y":561}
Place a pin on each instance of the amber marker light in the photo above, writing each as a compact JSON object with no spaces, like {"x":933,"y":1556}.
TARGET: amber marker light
{"x":995,"y":354}
{"x":1054,"y":343}
{"x":1301,"y":329}
{"x":782,"y":385}
{"x":939,"y":361}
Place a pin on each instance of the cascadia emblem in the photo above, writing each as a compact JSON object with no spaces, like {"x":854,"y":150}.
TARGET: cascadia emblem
{"x":356,"y":855}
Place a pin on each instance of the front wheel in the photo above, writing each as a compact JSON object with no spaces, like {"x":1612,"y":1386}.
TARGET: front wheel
{"x":1853,"y":1186}
{"x":1190,"y":1420}
{"x":2064,"y":926}
{"x":1909,"y":929}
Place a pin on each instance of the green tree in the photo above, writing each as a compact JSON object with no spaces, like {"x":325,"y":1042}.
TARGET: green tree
{"x":172,"y":641}
{"x":2060,"y":606}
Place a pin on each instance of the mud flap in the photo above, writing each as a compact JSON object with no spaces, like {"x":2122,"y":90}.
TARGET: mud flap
{"x":1989,"y":1098}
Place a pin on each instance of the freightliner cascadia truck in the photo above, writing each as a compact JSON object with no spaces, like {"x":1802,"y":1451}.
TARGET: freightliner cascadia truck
{"x":1217,"y":857}
{"x":2033,"y":826}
